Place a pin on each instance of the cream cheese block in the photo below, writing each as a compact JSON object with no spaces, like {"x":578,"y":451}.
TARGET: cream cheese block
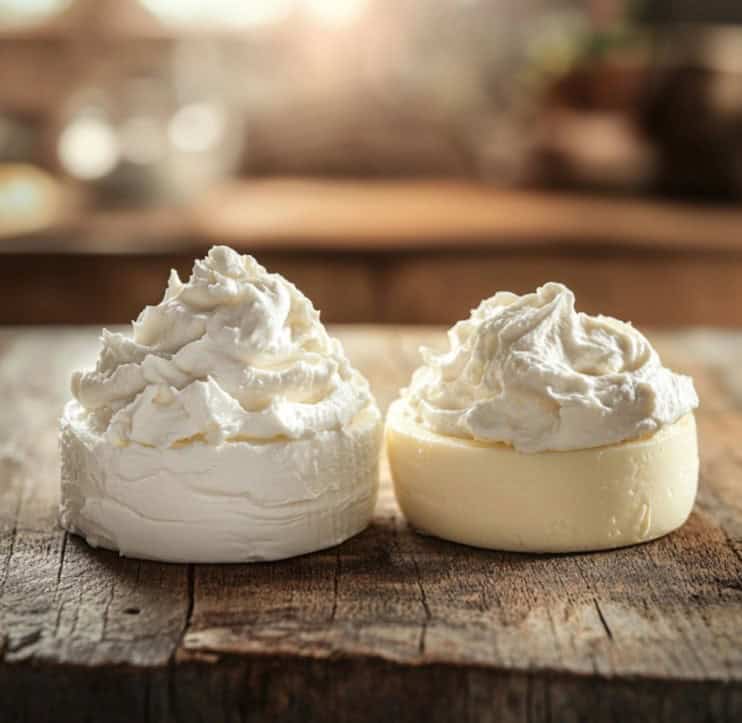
{"x":228,"y":426}
{"x":544,"y":429}
{"x":490,"y":495}
{"x":241,"y":501}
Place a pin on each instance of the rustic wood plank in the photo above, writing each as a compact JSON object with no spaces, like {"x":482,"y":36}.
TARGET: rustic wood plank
{"x":391,"y":625}
{"x":671,"y":606}
{"x":61,"y":601}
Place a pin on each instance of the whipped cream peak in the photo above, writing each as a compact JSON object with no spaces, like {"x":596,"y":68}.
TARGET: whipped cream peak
{"x":234,"y":353}
{"x":532,"y":372}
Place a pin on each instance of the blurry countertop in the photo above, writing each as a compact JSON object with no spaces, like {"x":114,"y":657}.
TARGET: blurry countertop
{"x":388,"y":216}
{"x":391,"y":251}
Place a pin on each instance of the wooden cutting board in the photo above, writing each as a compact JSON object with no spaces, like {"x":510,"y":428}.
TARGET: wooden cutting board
{"x":390,"y":626}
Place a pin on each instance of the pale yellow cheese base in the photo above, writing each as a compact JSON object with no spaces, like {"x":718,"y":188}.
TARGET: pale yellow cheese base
{"x":489,"y":495}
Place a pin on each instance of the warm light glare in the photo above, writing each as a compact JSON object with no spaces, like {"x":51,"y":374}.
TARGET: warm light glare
{"x":220,"y":12}
{"x":197,"y":127}
{"x":251,"y":13}
{"x":335,"y":12}
{"x":88,"y":148}
{"x":178,"y":11}
{"x":258,"y":12}
{"x":25,"y":11}
{"x":19,"y":197}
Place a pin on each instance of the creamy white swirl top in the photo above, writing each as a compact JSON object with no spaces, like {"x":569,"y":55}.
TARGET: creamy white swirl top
{"x":532,"y":372}
{"x":236,"y":353}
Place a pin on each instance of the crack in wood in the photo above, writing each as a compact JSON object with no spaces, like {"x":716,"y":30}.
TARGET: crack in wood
{"x":335,"y":585}
{"x":425,"y":606}
{"x":602,"y":619}
{"x":421,"y":640}
{"x":62,"y":552}
{"x":191,"y":583}
{"x":191,"y":592}
{"x":106,"y":610}
{"x":24,"y":641}
{"x":555,"y":635}
{"x":11,"y":550}
{"x":58,"y":619}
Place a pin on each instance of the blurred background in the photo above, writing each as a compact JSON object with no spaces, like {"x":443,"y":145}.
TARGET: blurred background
{"x":397,"y":159}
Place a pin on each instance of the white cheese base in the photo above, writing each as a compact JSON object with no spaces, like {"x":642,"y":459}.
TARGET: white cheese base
{"x":489,"y":495}
{"x":236,"y":502}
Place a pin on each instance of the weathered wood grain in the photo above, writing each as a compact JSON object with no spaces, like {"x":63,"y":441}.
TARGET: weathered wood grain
{"x":390,"y":625}
{"x":61,"y":601}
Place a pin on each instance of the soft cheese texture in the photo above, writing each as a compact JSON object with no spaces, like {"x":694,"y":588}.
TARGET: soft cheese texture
{"x":490,"y":495}
{"x":229,"y":426}
{"x":534,"y":373}
{"x":232,"y":502}
{"x":234,"y":353}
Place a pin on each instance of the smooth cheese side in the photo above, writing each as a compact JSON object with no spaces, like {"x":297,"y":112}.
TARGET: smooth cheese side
{"x":237,"y":502}
{"x":489,"y":495}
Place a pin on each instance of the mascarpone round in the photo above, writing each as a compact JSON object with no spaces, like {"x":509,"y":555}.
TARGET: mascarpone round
{"x":544,"y":429}
{"x":490,"y":495}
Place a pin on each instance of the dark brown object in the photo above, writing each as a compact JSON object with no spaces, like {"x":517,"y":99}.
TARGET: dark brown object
{"x":391,"y":626}
{"x":697,"y":130}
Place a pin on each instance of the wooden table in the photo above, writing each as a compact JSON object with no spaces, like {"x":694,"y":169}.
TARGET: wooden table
{"x":390,"y":626}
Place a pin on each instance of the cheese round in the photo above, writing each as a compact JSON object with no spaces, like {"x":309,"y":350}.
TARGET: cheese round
{"x":240,"y":501}
{"x":228,"y":426}
{"x":490,"y":495}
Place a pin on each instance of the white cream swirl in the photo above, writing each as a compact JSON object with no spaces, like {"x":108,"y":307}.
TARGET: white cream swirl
{"x":532,"y":372}
{"x":236,"y":353}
